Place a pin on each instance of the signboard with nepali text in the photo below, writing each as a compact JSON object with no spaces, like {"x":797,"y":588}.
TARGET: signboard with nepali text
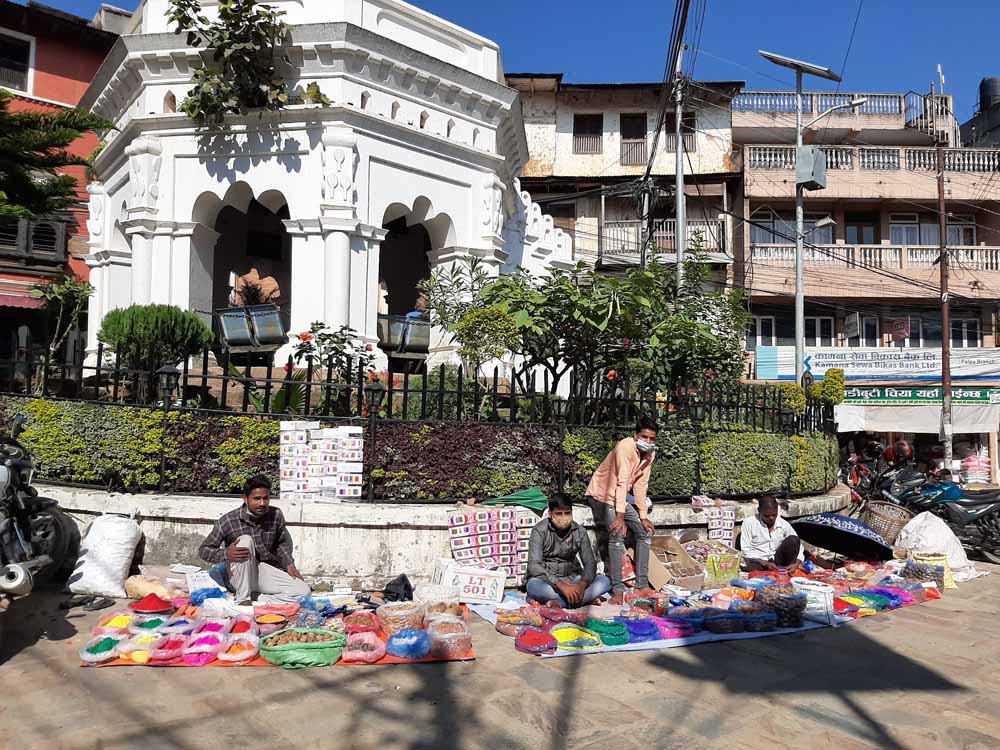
{"x":892,"y":396}
{"x":890,"y":363}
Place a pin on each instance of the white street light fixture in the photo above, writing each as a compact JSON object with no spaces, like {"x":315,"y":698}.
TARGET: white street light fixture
{"x":801,"y":68}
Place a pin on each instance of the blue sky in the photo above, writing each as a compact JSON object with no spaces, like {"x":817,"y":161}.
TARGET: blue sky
{"x":897,"y":46}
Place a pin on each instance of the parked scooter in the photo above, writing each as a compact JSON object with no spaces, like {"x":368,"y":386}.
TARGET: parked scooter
{"x":37,"y":540}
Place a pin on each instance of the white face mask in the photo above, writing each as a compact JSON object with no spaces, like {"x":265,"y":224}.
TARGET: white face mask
{"x":560,"y":522}
{"x":644,"y":447}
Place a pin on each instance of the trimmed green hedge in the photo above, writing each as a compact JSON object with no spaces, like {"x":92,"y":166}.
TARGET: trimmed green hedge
{"x":119,"y":447}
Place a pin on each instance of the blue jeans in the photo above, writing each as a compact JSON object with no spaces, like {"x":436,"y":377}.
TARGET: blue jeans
{"x":542,"y":591}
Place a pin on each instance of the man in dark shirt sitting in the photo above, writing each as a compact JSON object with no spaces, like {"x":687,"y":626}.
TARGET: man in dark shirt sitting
{"x":252,"y":550}
{"x":562,"y":568}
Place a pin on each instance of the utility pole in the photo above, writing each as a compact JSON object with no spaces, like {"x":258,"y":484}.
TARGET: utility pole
{"x":946,"y":421}
{"x":680,"y":208}
{"x":800,"y":297}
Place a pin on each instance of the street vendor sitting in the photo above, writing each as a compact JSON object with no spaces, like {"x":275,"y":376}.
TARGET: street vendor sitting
{"x":769,"y":542}
{"x":252,"y":549}
{"x":562,"y":569}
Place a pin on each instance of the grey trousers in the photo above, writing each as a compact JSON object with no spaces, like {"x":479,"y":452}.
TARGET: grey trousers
{"x":604,"y":514}
{"x":251,"y":577}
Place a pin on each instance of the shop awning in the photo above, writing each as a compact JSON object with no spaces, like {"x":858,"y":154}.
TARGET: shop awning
{"x":17,"y":300}
{"x":921,"y":418}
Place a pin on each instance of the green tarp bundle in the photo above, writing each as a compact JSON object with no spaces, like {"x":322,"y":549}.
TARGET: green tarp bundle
{"x":532,"y":498}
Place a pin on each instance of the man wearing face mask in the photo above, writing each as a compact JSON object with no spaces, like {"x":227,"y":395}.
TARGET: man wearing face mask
{"x":562,"y":569}
{"x":617,"y":498}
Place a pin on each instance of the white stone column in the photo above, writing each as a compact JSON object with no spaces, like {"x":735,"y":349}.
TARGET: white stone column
{"x":192,"y":257}
{"x":308,"y":277}
{"x":142,"y":267}
{"x":337,"y":285}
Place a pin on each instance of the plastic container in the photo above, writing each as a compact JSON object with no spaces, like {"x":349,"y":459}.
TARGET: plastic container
{"x":139,"y":648}
{"x":102,"y":648}
{"x":239,"y":648}
{"x":362,"y":622}
{"x":819,"y":600}
{"x":170,"y":650}
{"x":363,"y":648}
{"x":270,"y":622}
{"x":302,"y":655}
{"x":399,"y":616}
{"x":202,"y":648}
{"x":115,"y":623}
{"x":450,"y":639}
{"x":409,"y":643}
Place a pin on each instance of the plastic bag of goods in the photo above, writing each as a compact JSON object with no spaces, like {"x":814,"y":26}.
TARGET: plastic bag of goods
{"x":362,"y":622}
{"x":927,"y":533}
{"x":144,"y":624}
{"x":106,"y":553}
{"x":101,"y":648}
{"x":509,"y":621}
{"x":450,"y":639}
{"x":819,"y":600}
{"x":299,"y":648}
{"x":115,"y":623}
{"x":243,"y":625}
{"x":398,"y":616}
{"x":170,"y":650}
{"x":787,"y":603}
{"x":363,"y":648}
{"x":535,"y":641}
{"x":409,"y":643}
{"x":610,"y":632}
{"x":219,"y":626}
{"x":239,"y":647}
{"x":202,"y":648}
{"x":139,"y":648}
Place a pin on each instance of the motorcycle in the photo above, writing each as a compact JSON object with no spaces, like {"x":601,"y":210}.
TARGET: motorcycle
{"x":37,"y":540}
{"x":974,"y":519}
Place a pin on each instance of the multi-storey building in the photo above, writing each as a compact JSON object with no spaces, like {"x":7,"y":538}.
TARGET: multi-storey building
{"x":871,"y":272}
{"x":47,"y":59}
{"x":588,"y":141}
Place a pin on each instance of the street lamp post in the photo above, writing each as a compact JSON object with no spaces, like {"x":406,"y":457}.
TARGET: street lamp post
{"x":167,"y":376}
{"x":561,"y":407}
{"x":819,"y":71}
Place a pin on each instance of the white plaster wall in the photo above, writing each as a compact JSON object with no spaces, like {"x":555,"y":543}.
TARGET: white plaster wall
{"x":400,"y":21}
{"x":549,"y":127}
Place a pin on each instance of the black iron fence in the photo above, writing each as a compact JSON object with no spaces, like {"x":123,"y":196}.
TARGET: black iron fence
{"x":340,"y":388}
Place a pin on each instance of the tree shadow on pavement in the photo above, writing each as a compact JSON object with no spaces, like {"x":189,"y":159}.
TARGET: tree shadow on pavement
{"x":840,"y":662}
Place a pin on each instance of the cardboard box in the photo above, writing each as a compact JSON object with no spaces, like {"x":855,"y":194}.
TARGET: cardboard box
{"x":474,"y":584}
{"x":675,"y":566}
{"x":350,"y":456}
{"x":353,"y":491}
{"x":468,"y":553}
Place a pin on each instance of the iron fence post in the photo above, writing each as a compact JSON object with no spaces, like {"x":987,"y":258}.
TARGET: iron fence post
{"x":163,"y":443}
{"x":370,"y":455}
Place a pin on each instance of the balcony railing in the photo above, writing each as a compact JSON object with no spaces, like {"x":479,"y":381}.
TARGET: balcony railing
{"x":979,"y":160}
{"x":783,"y":102}
{"x":973,"y":258}
{"x":633,"y":152}
{"x":587,"y":144}
{"x":30,"y":242}
{"x":624,"y":238}
{"x":670,"y":142}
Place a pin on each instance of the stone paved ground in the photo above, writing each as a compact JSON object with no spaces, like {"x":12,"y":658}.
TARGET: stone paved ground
{"x":925,"y":677}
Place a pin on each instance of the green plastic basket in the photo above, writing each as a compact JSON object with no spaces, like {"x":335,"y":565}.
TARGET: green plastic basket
{"x":303,"y":655}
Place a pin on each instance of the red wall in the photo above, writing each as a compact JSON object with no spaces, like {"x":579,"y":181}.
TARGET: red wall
{"x":63,"y":73}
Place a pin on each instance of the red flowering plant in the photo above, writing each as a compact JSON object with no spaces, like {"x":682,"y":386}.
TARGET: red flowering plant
{"x":341,"y":350}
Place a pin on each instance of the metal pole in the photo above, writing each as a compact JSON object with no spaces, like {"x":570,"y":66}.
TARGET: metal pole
{"x":163,"y":440}
{"x":680,"y":219}
{"x":646,"y":228}
{"x":370,"y":454}
{"x":946,"y":421}
{"x":800,"y":302}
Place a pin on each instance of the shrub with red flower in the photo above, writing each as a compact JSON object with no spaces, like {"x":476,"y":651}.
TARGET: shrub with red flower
{"x":612,"y":374}
{"x":306,"y":336}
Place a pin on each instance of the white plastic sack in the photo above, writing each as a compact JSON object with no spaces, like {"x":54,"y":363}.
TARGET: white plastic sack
{"x":105,"y":557}
{"x":928,"y":533}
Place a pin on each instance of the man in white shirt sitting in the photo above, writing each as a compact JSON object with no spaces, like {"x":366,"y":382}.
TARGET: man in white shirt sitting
{"x":769,"y":542}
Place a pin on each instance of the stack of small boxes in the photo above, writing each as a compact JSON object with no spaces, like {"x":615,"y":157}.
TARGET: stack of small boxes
{"x":493,"y":538}
{"x":321,"y":464}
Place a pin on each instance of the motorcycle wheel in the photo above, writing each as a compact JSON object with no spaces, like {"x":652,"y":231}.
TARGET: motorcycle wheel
{"x":55,"y":534}
{"x":989,"y":541}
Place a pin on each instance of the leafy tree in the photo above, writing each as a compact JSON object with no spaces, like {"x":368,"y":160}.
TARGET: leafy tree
{"x":485,"y":334}
{"x":341,"y":349}
{"x":147,"y":337}
{"x":453,"y":291}
{"x":247,"y":64}
{"x":65,"y":298}
{"x":32,"y":150}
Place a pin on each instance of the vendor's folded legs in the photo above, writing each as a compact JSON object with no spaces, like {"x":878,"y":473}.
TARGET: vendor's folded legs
{"x":249,"y":577}
{"x":544,"y":592}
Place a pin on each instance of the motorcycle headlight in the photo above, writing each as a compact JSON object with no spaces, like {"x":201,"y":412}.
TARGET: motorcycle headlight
{"x":4,"y":480}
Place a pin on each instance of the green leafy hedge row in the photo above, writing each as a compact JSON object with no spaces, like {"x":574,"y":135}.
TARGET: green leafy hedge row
{"x":119,"y":447}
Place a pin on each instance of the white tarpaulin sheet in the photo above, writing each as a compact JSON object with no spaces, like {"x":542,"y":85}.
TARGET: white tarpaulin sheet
{"x":923,"y":418}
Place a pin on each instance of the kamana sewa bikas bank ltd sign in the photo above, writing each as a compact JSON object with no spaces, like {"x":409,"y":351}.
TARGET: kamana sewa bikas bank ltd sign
{"x":778,"y":362}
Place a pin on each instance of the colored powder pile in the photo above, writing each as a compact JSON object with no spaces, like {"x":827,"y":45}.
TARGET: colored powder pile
{"x":208,"y":640}
{"x":173,"y":644}
{"x":241,"y":627}
{"x":179,"y":623}
{"x":270,"y":619}
{"x":534,"y":639}
{"x":150,"y":624}
{"x":102,"y":646}
{"x":140,"y":657}
{"x":211,"y":627}
{"x":239,"y":648}
{"x":119,"y":621}
{"x":145,"y":639}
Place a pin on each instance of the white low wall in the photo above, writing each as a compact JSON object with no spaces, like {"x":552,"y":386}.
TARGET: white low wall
{"x":356,"y":543}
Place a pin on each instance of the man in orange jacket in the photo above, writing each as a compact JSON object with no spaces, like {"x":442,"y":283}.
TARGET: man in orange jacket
{"x":617,"y":498}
